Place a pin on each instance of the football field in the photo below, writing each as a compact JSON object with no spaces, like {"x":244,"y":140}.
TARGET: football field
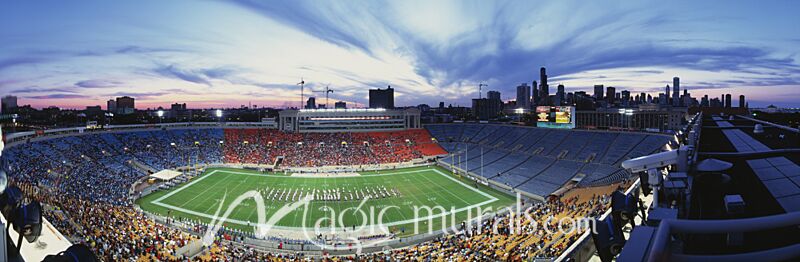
{"x":395,"y":199}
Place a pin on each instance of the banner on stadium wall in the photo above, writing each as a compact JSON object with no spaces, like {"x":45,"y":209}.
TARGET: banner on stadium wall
{"x":555,"y":117}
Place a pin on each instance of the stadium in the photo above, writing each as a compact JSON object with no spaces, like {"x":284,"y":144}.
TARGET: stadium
{"x":536,"y":131}
{"x":245,"y":185}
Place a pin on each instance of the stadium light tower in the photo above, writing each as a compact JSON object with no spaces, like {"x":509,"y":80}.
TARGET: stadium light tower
{"x":160,"y":114}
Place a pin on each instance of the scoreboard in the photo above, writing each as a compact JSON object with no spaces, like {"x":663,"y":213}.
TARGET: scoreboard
{"x":555,"y":117}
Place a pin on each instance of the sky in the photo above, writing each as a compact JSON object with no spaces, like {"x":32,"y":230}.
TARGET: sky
{"x":212,"y":54}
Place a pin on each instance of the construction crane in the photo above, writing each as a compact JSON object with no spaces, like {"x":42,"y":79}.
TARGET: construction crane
{"x":327,"y":91}
{"x":480,"y":89}
{"x":302,"y":86}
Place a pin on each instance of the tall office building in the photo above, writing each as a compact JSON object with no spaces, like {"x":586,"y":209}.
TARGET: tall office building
{"x":489,"y":107}
{"x":642,"y":98}
{"x":111,"y":106}
{"x":704,"y":101}
{"x":626,"y":97}
{"x":125,"y":105}
{"x":343,"y":105}
{"x":523,"y":96}
{"x":598,"y":92}
{"x":493,"y":95}
{"x":544,"y":89}
{"x":676,"y":91}
{"x":742,"y":104}
{"x":722,"y":99}
{"x":611,"y":94}
{"x":560,"y":96}
{"x":728,"y":100}
{"x":8,"y":103}
{"x":311,"y":103}
{"x":666,"y":102}
{"x":381,"y":98}
{"x":534,"y":93}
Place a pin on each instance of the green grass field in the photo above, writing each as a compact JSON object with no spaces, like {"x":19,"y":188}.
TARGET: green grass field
{"x":199,"y":198}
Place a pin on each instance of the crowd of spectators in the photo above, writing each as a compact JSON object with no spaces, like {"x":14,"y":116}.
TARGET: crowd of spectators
{"x":523,"y":240}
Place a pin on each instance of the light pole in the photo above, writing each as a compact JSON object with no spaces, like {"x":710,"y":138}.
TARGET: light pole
{"x":160,"y":114}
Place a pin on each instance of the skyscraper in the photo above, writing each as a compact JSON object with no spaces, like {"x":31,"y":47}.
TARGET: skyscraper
{"x":642,"y":98}
{"x":523,"y":96}
{"x":598,"y":92}
{"x":742,"y":104}
{"x":111,"y":106}
{"x":311,"y":103}
{"x":626,"y":97}
{"x":722,"y":100}
{"x":544,"y":90}
{"x":8,"y":103}
{"x":489,"y":107}
{"x":666,"y":102}
{"x":728,"y":100}
{"x":381,"y":98}
{"x":676,"y":91}
{"x":560,"y":95}
{"x":534,"y":93}
{"x":125,"y":105}
{"x":493,"y":95}
{"x":611,"y":93}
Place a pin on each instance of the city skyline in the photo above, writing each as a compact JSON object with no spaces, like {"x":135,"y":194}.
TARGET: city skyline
{"x":226,"y":54}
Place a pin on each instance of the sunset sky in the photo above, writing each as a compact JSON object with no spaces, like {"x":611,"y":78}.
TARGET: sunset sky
{"x":230,"y":53}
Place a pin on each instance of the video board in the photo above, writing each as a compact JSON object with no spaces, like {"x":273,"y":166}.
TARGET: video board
{"x":555,"y":116}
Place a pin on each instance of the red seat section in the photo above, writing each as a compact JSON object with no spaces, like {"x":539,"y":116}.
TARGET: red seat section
{"x":263,"y":146}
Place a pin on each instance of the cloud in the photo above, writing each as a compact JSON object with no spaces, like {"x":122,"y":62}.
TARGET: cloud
{"x":29,"y":90}
{"x":320,"y":21}
{"x":20,"y":60}
{"x":186,"y":75}
{"x":139,"y":95}
{"x":98,"y":83}
{"x":58,"y":96}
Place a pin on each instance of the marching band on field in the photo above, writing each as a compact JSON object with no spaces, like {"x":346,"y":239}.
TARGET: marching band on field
{"x":334,"y":194}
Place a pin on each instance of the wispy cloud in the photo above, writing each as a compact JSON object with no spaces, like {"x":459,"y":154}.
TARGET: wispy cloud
{"x":58,"y":96}
{"x":98,"y":83}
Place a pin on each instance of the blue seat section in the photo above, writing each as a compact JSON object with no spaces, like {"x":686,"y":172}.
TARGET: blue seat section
{"x":598,"y":144}
{"x":560,"y":172}
{"x":527,"y":170}
{"x":485,"y":132}
{"x":572,"y":144}
{"x":503,"y":164}
{"x":489,"y":157}
{"x":494,"y":138}
{"x":549,"y":142}
{"x":621,"y":146}
{"x":467,"y":131}
{"x":507,"y":140}
{"x":539,"y":160}
{"x":538,"y":187}
{"x":529,"y":139}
